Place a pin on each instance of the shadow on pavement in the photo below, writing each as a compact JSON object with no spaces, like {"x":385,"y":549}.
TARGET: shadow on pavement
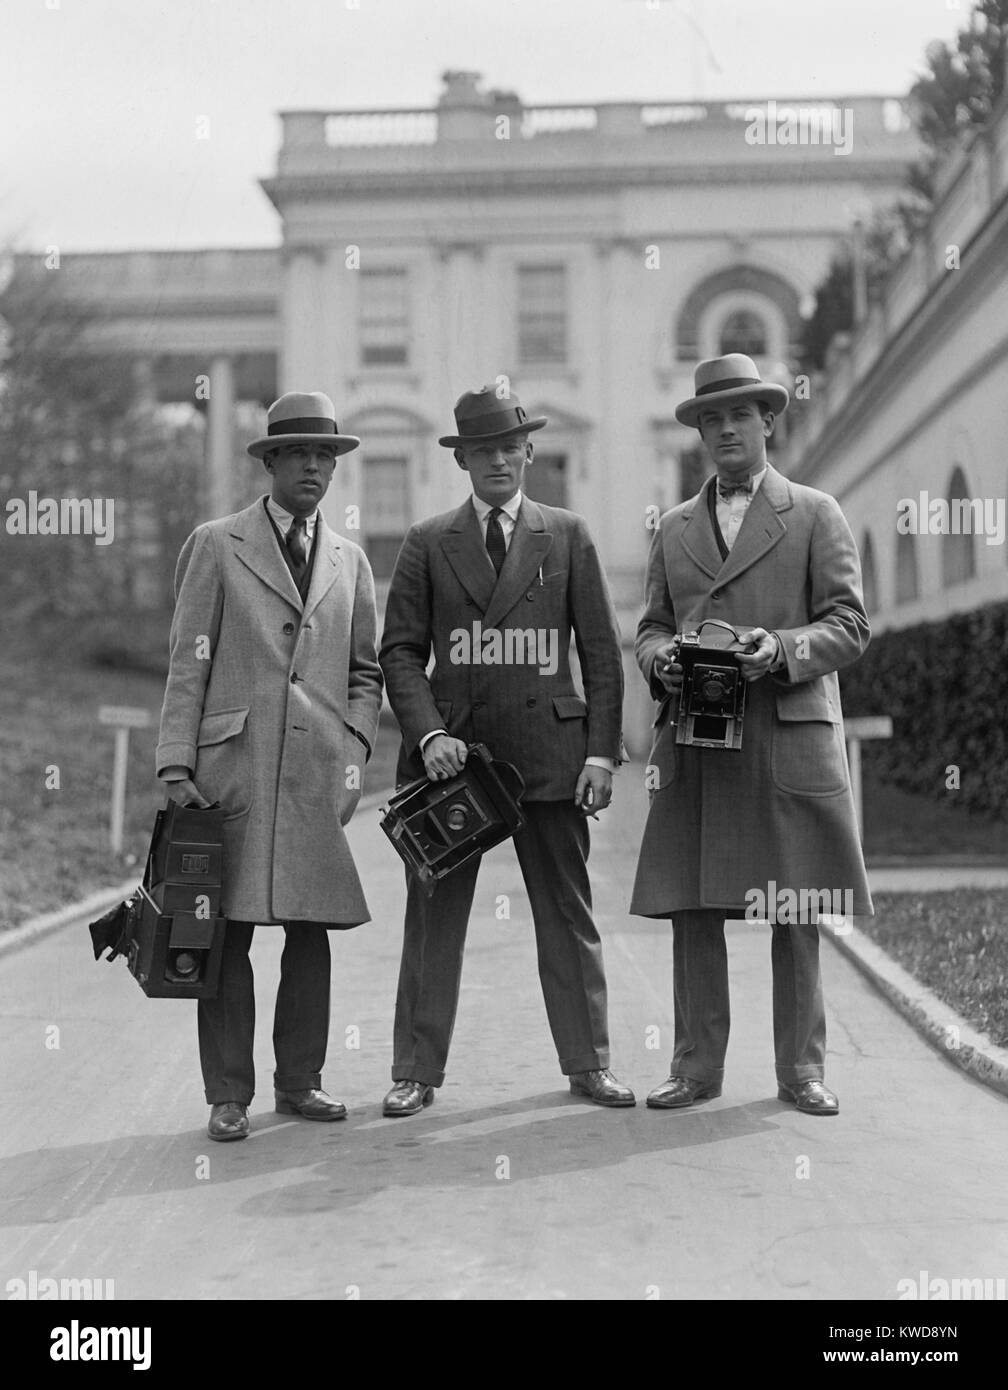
{"x":353,"y":1161}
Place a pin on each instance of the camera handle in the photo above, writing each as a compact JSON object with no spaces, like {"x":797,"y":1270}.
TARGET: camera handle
{"x":717,"y":622}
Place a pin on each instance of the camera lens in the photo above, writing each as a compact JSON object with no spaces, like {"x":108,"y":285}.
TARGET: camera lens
{"x":713,"y":689}
{"x":456,"y":817}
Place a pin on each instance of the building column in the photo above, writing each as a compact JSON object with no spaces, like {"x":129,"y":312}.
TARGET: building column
{"x":302,"y":356}
{"x":220,"y":438}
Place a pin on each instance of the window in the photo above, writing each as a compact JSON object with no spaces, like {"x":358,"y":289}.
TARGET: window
{"x":542,"y":313}
{"x":384,"y":317}
{"x":745,"y":332}
{"x":958,"y":556}
{"x":906,"y":568}
{"x":546,"y":480}
{"x":385,"y":514}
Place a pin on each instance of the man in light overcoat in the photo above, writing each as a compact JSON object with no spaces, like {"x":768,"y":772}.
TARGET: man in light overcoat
{"x":730,"y":829}
{"x":271,"y":708}
{"x":502,"y":567}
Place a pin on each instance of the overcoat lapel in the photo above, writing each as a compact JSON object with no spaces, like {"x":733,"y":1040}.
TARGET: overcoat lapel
{"x":530,"y":544}
{"x":466,"y":552}
{"x":761,"y":527}
{"x":698,"y":537}
{"x":255,"y":545}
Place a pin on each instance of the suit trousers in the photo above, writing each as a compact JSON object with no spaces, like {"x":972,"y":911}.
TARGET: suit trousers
{"x":702,"y":1009}
{"x":226,"y":1024}
{"x":552,"y":849}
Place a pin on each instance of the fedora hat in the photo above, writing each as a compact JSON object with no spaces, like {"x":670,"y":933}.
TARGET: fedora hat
{"x":734,"y":377}
{"x":302,"y":417}
{"x":483,"y":414}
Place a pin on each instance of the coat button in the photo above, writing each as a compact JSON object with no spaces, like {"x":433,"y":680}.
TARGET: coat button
{"x":716,"y":595}
{"x":530,"y":701}
{"x":288,"y":628}
{"x":479,"y":704}
{"x":294,"y":678}
{"x":530,"y":595}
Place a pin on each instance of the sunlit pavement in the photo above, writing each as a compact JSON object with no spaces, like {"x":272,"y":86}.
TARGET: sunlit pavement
{"x":507,"y":1187}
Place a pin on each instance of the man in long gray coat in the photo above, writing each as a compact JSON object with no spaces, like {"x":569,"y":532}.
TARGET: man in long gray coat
{"x":271,"y":708}
{"x":768,"y":829}
{"x":495,"y":589}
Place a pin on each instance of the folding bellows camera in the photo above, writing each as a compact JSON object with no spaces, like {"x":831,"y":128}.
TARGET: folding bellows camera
{"x":170,"y":929}
{"x":435,"y":827}
{"x":712,"y":699}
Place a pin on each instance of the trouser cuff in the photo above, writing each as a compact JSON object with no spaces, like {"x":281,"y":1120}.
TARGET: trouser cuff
{"x":297,"y":1081}
{"x":219,"y":1098}
{"x":586,"y":1061}
{"x":418,"y":1071}
{"x":791,"y":1076}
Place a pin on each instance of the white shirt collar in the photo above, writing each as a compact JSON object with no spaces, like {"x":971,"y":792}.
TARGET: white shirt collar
{"x":511,"y":507}
{"x":284,"y":518}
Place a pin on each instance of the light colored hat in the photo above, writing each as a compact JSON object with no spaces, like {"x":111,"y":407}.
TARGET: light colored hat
{"x":728,"y":378}
{"x":303,"y":417}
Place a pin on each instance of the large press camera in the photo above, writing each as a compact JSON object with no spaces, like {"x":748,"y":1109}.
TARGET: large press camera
{"x":712,"y":699}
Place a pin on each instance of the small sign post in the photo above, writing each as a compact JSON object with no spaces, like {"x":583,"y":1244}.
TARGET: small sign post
{"x":122,"y":718}
{"x":856,"y":732}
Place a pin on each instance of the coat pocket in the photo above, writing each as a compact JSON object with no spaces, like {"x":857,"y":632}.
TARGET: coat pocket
{"x":570,"y":707}
{"x":223,"y":770}
{"x":807,"y":757}
{"x":354,"y":758}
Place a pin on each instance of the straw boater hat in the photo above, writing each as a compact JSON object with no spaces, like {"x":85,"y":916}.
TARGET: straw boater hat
{"x":483,"y":414}
{"x":302,"y":417}
{"x":734,"y":377}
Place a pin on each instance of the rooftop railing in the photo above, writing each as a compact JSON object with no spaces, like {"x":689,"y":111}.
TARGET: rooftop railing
{"x":428,"y":126}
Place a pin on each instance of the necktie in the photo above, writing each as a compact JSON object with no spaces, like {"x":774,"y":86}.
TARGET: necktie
{"x":495,"y":539}
{"x":729,"y":489}
{"x":296,"y":547}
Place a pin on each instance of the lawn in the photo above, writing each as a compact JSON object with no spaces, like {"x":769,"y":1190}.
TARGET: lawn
{"x":903,"y":827}
{"x":54,"y":843}
{"x":954,"y":942}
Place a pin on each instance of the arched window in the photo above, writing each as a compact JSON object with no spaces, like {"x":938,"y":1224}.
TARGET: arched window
{"x":743,"y":331}
{"x":906,"y":568}
{"x":958,"y":554}
{"x":869,"y":579}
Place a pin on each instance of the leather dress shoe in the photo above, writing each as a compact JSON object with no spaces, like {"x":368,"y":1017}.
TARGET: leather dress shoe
{"x":601,"y":1087}
{"x":811,"y":1097}
{"x":228,"y":1120}
{"x":310,"y":1105}
{"x":679,"y":1091}
{"x":407,"y":1098}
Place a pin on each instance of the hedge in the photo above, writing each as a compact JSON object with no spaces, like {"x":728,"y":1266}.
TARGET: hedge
{"x":945,"y":685}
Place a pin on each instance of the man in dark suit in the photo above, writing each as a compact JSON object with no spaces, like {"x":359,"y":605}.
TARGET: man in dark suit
{"x":496,"y":588}
{"x":729,"y":827}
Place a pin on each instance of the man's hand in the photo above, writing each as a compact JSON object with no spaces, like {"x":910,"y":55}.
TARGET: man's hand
{"x":594,"y":790}
{"x":185,"y":791}
{"x":667,"y":670}
{"x":757,"y":662}
{"x":444,"y":757}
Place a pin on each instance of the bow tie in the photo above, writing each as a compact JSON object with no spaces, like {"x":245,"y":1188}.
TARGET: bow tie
{"x":729,"y":489}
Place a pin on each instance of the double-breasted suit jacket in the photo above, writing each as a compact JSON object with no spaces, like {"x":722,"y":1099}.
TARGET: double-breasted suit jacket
{"x":267,"y":701}
{"x":723,"y":822}
{"x":445,"y":596}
